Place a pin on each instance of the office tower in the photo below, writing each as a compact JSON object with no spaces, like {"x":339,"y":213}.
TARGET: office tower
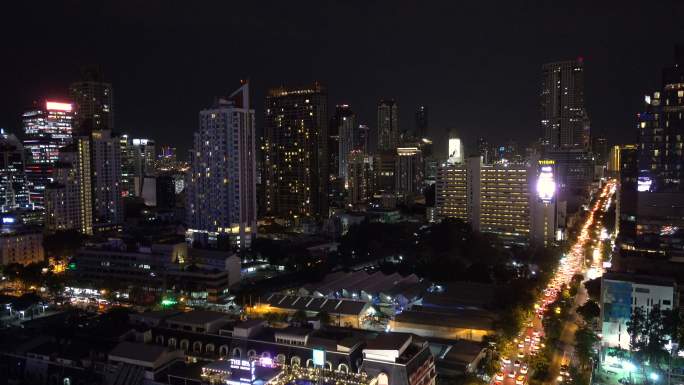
{"x":564,"y":118}
{"x":484,"y":148}
{"x":165,"y":189}
{"x":46,"y":128}
{"x":422,"y":122}
{"x":599,"y":148}
{"x":388,"y":125}
{"x":451,"y":193}
{"x":358,"y":179}
{"x":547,"y":216}
{"x":627,"y":158}
{"x":362,"y":139}
{"x":68,"y":200}
{"x":295,"y":151}
{"x":14,"y":191}
{"x":409,"y":171}
{"x":138,"y":157}
{"x":221,"y":189}
{"x":94,"y":101}
{"x":661,"y":131}
{"x":343,"y":125}
{"x":574,"y":171}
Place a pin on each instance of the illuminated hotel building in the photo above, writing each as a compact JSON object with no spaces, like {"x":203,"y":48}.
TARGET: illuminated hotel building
{"x":295,"y":153}
{"x":46,"y":129}
{"x":451,"y":192}
{"x":500,"y":199}
{"x":344,"y":127}
{"x":221,"y":185}
{"x":388,"y":125}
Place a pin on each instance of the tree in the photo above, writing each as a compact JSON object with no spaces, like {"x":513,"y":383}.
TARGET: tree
{"x":593,"y":287}
{"x":635,"y":327}
{"x":585,"y":339}
{"x":299,"y":317}
{"x":589,"y":311}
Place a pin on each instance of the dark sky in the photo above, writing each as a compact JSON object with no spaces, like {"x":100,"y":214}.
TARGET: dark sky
{"x":475,"y":64}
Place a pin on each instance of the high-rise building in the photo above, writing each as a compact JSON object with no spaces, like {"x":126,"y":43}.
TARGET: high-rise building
{"x":422,"y":122}
{"x":408,"y":172}
{"x":661,"y":132}
{"x":14,"y":188}
{"x":68,"y":200}
{"x":105,"y":175}
{"x":46,"y":129}
{"x":599,"y":147}
{"x":388,"y":125}
{"x":451,"y":192}
{"x":221,"y":188}
{"x":484,"y":148}
{"x":455,"y":154}
{"x":343,"y":124}
{"x":362,"y":139}
{"x":295,"y":153}
{"x":384,"y":168}
{"x":94,"y":102}
{"x":138,"y":157}
{"x":358,"y":178}
{"x":564,"y":119}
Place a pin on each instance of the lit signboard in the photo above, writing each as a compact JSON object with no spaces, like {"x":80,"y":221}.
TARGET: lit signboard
{"x":546,"y":186}
{"x":319,"y":357}
{"x":7,"y":220}
{"x":57,"y":106}
{"x":644,"y":184}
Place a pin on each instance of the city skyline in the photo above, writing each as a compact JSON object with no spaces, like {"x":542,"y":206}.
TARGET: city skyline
{"x":448,"y":86}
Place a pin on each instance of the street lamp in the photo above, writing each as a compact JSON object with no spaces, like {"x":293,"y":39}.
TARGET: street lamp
{"x":653,"y":376}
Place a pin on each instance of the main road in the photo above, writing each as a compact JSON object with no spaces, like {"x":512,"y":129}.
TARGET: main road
{"x":515,"y":370}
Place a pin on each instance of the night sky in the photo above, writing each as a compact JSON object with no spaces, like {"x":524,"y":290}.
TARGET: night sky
{"x":475,"y":64}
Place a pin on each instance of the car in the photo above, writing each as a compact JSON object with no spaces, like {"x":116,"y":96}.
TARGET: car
{"x":511,"y":374}
{"x":499,"y":376}
{"x":516,"y":364}
{"x":523,"y":369}
{"x":498,"y":383}
{"x":521,"y":346}
{"x":559,"y":379}
{"x":505,"y":360}
{"x":527,"y":339}
{"x":520,"y":380}
{"x":521,"y":354}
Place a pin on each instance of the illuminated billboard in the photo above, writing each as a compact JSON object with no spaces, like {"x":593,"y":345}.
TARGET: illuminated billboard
{"x":319,"y":357}
{"x":546,"y":186}
{"x":57,"y":106}
{"x":455,"y":151}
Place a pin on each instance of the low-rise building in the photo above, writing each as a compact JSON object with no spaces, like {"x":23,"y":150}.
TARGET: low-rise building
{"x":621,"y":294}
{"x":22,"y":246}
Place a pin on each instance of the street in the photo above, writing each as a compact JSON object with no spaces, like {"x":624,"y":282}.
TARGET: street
{"x":514,"y":370}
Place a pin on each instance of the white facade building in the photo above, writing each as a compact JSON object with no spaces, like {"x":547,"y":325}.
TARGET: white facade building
{"x":221,"y":188}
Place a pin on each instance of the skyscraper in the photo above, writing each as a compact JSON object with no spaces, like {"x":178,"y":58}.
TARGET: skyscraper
{"x":221,"y":188}
{"x":295,"y":153}
{"x":484,"y":148}
{"x":46,"y":129}
{"x":421,"y":122}
{"x":388,"y":125}
{"x":564,"y":118}
{"x":105,"y":178}
{"x":344,"y":124}
{"x":661,"y":132}
{"x":138,"y":157}
{"x":409,"y":171}
{"x":359,"y":178}
{"x":68,"y":199}
{"x":94,"y":102}
{"x":14,"y":191}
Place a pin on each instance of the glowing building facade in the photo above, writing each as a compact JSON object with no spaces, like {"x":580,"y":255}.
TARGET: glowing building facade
{"x":388,"y":125}
{"x":46,"y":129}
{"x":296,"y":153}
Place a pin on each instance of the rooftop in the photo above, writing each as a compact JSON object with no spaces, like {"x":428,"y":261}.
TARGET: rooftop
{"x":138,"y":352}
{"x":461,"y":318}
{"x":640,"y":279}
{"x":199,"y":317}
